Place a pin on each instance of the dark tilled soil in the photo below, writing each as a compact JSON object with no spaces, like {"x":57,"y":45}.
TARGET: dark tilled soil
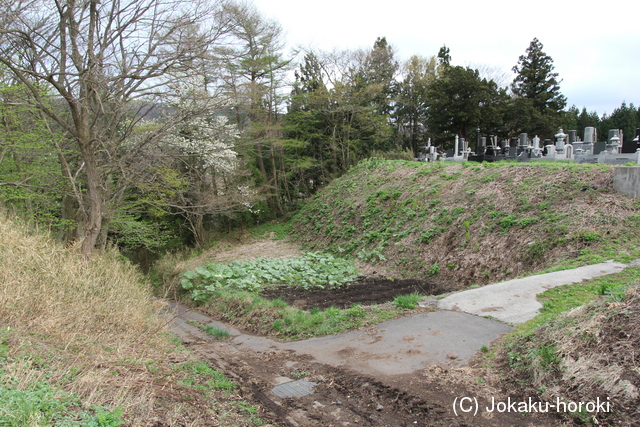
{"x":367,"y":291}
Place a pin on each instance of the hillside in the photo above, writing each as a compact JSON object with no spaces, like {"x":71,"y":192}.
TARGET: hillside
{"x":83,"y":343}
{"x":472,"y":224}
{"x":587,"y":354}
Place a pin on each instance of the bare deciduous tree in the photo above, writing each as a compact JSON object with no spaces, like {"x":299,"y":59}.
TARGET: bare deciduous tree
{"x":85,"y":63}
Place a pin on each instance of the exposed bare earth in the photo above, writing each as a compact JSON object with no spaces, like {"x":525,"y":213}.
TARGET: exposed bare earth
{"x":367,"y":290}
{"x":344,"y":396}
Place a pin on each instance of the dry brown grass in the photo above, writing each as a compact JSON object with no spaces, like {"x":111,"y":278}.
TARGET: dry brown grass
{"x":54,"y":293}
{"x":595,"y":356}
{"x":93,"y":328}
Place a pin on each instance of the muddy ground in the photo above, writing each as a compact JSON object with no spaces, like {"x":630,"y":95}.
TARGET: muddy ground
{"x":343,"y":397}
{"x":365,"y":291}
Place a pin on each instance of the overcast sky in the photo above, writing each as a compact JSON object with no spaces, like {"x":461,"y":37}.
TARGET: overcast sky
{"x":595,"y":46}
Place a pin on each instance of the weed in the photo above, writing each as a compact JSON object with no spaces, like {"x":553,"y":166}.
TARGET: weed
{"x":215,"y":332}
{"x":278,"y":302}
{"x":546,"y":356}
{"x":514,"y":358}
{"x":588,"y":236}
{"x":356,"y":310}
{"x":297,"y":374}
{"x":507,"y":222}
{"x":434,"y":269}
{"x":525,"y":222}
{"x":38,"y":403}
{"x":409,"y":301}
{"x":373,"y":255}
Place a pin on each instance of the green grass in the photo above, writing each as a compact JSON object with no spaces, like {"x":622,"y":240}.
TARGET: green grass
{"x":202,"y":377}
{"x":564,"y":298}
{"x":409,"y":301}
{"x":276,"y":318}
{"x":36,"y":402}
{"x":278,"y":229}
{"x":213,"y":331}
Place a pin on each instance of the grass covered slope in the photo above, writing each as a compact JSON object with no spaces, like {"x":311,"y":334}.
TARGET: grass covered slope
{"x":471,"y":223}
{"x":53,"y":292}
{"x":82,"y":343}
{"x":587,"y":354}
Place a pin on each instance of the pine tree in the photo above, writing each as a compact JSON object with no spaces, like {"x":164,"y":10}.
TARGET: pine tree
{"x":537,"y":93}
{"x":537,"y":81}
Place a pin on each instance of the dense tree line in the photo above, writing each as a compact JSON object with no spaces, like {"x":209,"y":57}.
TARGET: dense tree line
{"x":153,"y":123}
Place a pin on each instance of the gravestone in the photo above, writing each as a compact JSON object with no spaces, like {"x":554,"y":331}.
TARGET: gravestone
{"x":482,"y":145}
{"x":599,"y":147}
{"x":560,"y":137}
{"x":590,"y":135}
{"x":523,"y":140}
{"x":536,"y":142}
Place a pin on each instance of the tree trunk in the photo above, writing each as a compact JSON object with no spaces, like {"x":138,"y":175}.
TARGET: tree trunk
{"x":276,"y":184}
{"x":93,"y":202}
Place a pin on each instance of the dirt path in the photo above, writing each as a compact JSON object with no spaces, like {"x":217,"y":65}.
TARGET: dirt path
{"x":344,"y":387}
{"x":409,"y":371}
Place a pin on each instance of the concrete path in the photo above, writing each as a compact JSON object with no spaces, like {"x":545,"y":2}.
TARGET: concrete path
{"x":406,"y":345}
{"x":514,"y":301}
{"x":399,"y":346}
{"x":448,"y":337}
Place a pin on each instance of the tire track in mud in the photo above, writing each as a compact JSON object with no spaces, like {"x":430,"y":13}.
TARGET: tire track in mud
{"x":341,"y":396}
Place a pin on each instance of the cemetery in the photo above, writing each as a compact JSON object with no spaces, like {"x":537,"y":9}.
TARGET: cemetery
{"x":614,"y":150}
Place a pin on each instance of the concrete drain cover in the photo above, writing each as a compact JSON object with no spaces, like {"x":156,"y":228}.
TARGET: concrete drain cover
{"x":298,"y":388}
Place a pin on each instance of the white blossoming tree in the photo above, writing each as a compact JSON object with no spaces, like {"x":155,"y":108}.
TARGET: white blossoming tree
{"x":197,"y":173}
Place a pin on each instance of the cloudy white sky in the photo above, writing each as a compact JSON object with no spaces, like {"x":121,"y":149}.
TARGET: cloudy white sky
{"x":595,"y":46}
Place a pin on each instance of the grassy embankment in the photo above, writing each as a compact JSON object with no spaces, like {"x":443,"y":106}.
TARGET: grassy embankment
{"x":459,"y":225}
{"x":82,"y":344}
{"x":583,"y":347}
{"x":472,"y":224}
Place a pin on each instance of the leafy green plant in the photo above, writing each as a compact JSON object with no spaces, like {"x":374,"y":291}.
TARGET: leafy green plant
{"x":434,"y":269}
{"x":507,"y":222}
{"x":313,"y":270}
{"x":525,"y":222}
{"x":373,"y":255}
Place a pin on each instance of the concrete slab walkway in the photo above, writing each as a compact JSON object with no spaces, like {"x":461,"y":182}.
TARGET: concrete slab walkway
{"x":394,"y":347}
{"x":448,"y":337}
{"x":514,"y":301}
